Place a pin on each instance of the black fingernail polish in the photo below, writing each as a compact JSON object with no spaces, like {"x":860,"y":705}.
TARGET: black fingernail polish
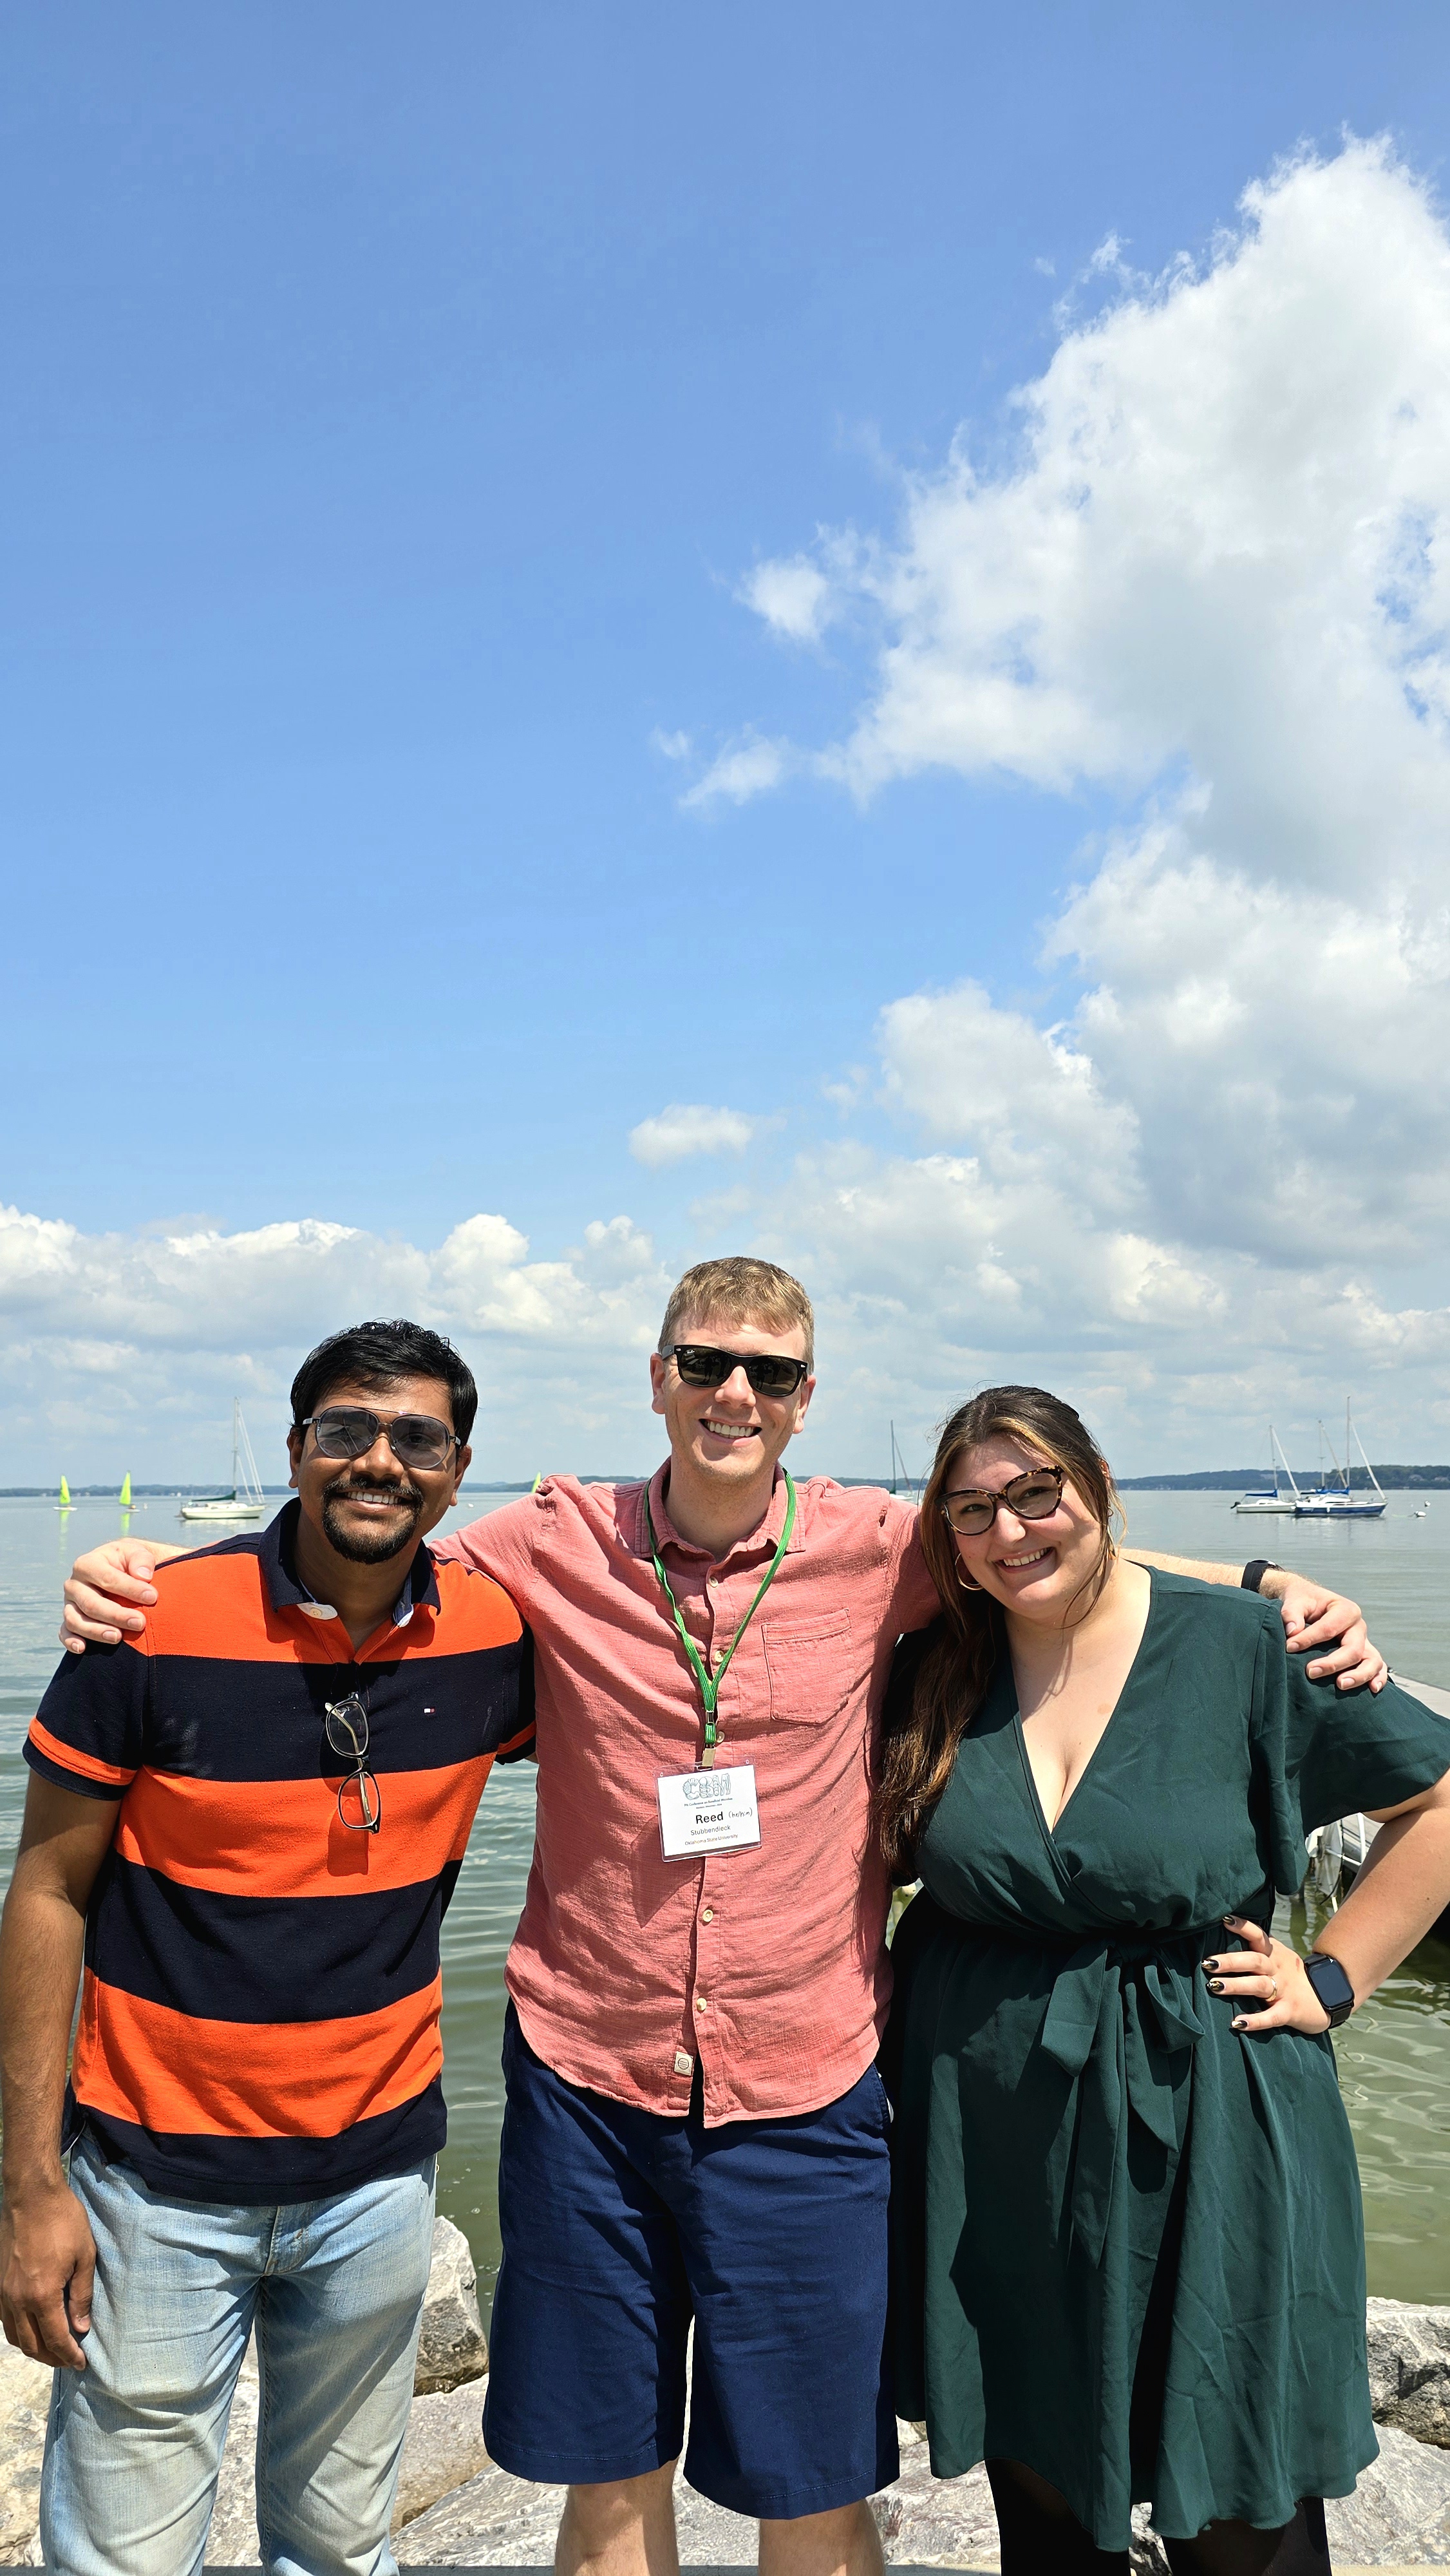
{"x":1215,"y":1985}
{"x":1209,"y":1966}
{"x":1241,"y":2023}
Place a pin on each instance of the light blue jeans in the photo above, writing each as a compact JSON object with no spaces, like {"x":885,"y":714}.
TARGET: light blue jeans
{"x":335,"y":2290}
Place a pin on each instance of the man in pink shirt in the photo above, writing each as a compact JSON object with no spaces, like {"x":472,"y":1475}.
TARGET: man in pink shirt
{"x":695,"y":2129}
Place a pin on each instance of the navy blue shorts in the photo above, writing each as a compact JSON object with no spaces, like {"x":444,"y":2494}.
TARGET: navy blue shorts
{"x":621,"y":2225}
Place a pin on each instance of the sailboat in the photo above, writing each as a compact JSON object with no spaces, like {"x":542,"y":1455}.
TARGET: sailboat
{"x":125,"y":1494}
{"x":1278,"y":1501}
{"x":244,"y":1501}
{"x":1335,"y":1501}
{"x":898,"y":1467}
{"x":65,"y":1504}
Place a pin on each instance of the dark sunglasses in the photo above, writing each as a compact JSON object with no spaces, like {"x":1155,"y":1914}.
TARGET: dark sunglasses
{"x":349,"y":1430}
{"x":1033,"y":1497}
{"x":359,"y":1804}
{"x":768,"y":1372}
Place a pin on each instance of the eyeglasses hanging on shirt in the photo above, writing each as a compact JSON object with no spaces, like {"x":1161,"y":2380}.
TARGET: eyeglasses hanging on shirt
{"x":359,"y":1801}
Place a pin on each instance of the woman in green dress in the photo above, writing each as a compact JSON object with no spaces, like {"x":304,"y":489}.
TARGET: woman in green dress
{"x":1127,"y":2238}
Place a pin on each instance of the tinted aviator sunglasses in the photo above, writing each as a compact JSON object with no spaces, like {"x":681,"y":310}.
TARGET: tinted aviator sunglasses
{"x":971,"y":1510}
{"x":359,"y":1804}
{"x":349,"y":1431}
{"x":768,"y":1372}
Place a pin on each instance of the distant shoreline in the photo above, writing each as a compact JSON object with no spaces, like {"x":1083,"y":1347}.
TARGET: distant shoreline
{"x":1201,"y":1480}
{"x":1235,"y":1480}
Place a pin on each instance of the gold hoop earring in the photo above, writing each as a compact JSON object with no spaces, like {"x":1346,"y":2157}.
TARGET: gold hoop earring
{"x":965,"y":1580}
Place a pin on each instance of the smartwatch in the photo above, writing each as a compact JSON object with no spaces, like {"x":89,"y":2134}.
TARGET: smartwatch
{"x":1331,"y":1986}
{"x":1254,"y":1572}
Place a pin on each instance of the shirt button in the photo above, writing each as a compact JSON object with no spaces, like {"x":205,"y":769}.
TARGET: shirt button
{"x":700,"y":2004}
{"x":707,"y":1914}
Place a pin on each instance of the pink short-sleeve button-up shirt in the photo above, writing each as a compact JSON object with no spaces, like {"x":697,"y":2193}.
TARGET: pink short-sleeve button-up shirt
{"x":768,"y":1964}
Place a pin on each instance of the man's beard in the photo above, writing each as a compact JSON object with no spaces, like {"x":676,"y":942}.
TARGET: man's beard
{"x":368,"y":1546}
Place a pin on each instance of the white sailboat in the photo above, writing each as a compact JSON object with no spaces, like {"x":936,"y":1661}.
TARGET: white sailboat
{"x":899,"y":1475}
{"x":1278,"y":1501}
{"x":245,"y":1501}
{"x":1337,"y":1501}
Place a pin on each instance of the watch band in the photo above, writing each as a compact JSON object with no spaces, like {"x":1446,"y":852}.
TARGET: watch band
{"x":1331,"y":1985}
{"x":1255,"y":1571}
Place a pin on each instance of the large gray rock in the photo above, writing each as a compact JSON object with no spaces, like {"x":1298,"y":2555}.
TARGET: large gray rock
{"x":1399,"y":2514}
{"x":935,"y":2522}
{"x":452,"y":2347}
{"x":1409,"y":2367}
{"x":494,"y":2521}
{"x":443,"y":2449}
{"x":24,"y":2406}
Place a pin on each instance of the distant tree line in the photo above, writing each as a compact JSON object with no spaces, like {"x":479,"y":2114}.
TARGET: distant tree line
{"x":1235,"y":1480}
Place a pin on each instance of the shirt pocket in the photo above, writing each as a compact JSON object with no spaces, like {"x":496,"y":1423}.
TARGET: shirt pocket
{"x":811,"y":1668}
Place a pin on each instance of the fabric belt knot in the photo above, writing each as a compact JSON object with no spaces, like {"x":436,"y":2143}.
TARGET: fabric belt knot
{"x":1121,"y":2017}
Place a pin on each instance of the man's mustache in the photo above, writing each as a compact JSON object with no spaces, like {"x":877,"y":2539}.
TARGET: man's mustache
{"x":342,"y":1486}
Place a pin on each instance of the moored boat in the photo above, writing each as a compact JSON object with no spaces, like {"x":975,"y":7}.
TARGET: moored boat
{"x":1334,"y":1499}
{"x":244,"y":1500}
{"x":1278,"y":1500}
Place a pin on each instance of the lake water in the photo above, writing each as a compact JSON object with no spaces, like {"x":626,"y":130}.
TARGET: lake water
{"x":1394,"y":2058}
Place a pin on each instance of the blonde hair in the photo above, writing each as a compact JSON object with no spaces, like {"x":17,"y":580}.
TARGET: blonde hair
{"x":741,"y":1290}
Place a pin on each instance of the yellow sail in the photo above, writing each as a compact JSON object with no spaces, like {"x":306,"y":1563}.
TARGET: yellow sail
{"x":64,"y":1504}
{"x":126,"y":1491}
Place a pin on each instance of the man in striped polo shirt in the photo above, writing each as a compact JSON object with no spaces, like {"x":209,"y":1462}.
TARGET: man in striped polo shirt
{"x":252,"y":1816}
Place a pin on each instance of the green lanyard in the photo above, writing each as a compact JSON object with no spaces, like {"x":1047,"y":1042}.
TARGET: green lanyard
{"x":710,"y":1682}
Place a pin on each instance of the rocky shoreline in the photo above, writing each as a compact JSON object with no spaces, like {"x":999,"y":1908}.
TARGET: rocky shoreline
{"x":456,"y":2509}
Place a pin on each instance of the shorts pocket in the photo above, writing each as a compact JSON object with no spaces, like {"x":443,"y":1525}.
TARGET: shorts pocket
{"x":811,"y":1668}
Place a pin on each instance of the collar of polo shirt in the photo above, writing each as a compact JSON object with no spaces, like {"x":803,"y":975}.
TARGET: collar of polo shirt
{"x":287,"y":1591}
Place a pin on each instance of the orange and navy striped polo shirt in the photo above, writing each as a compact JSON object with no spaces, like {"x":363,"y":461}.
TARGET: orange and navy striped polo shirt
{"x":259,"y":2016}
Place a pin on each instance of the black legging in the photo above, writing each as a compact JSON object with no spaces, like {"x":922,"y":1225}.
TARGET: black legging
{"x":1042,"y":2537}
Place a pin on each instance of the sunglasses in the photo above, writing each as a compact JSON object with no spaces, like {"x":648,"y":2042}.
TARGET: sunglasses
{"x":768,"y":1372}
{"x":359,"y":1804}
{"x":349,"y":1431}
{"x":1033,"y":1497}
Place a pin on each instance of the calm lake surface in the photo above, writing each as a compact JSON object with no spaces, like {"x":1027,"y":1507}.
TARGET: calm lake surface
{"x":1394,"y":2059}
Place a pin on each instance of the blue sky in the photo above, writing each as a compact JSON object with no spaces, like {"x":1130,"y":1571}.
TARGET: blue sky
{"x":396,"y":410}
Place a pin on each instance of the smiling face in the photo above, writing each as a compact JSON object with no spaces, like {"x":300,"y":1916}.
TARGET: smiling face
{"x":1037,"y":1569}
{"x":728,"y":1435}
{"x":371,"y":1508}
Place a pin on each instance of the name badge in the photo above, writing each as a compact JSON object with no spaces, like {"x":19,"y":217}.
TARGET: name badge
{"x":708,"y":1811}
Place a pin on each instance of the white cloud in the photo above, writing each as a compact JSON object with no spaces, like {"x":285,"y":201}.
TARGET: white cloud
{"x":687,"y":1128}
{"x":1214,"y":578}
{"x":794,"y":597}
{"x":142,"y":1339}
{"x":1220,"y":544}
{"x":748,"y":768}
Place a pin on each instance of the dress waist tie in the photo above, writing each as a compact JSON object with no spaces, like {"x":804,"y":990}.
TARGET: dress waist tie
{"x":1122,"y":2015}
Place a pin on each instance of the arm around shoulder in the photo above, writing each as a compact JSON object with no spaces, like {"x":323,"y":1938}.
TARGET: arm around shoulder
{"x":1312,"y":1616}
{"x":109,"y":1590}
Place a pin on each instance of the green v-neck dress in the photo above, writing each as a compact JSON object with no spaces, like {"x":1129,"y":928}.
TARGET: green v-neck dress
{"x":1127,"y":2240}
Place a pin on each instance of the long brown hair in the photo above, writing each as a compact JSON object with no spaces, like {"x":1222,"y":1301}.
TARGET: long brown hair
{"x":952,"y":1679}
